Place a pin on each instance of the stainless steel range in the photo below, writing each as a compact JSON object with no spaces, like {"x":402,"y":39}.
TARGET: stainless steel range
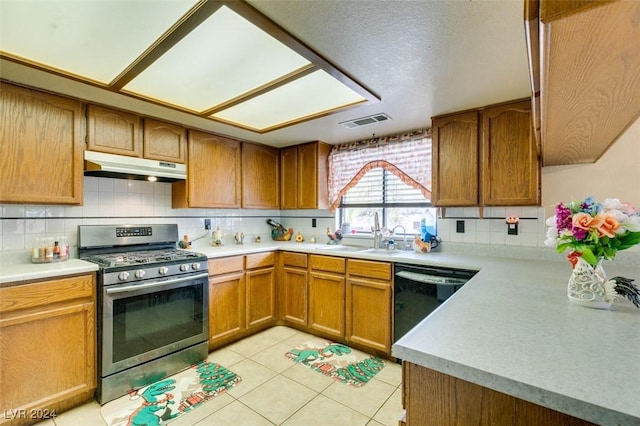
{"x":152,"y":304}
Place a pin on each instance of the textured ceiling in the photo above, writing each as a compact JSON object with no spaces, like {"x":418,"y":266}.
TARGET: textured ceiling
{"x":422,"y":58}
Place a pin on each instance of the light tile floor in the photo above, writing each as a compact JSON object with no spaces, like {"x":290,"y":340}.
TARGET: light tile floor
{"x":276,"y":391}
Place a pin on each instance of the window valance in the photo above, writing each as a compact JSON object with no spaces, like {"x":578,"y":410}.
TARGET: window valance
{"x":407,"y":156}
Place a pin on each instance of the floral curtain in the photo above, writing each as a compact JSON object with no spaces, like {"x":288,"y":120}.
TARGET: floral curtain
{"x":407,"y":156}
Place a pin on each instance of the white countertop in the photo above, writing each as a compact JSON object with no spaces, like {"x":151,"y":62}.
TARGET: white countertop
{"x":511,"y":328}
{"x":17,"y":267}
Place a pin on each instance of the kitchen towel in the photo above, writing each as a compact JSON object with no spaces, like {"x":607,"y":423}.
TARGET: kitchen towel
{"x":337,"y":361}
{"x":168,"y":399}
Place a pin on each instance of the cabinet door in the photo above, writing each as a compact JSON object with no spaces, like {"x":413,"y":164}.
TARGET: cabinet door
{"x":326,"y":303}
{"x":289,"y":178}
{"x":261,"y":297}
{"x":510,"y":167}
{"x":294,"y":295}
{"x":312,"y":175}
{"x":213,"y":173}
{"x":226,"y":306}
{"x":41,"y":147}
{"x":455,"y":160}
{"x":368,"y":313}
{"x":164,"y":141}
{"x":260,"y":177}
{"x":48,"y":344}
{"x":115,"y":132}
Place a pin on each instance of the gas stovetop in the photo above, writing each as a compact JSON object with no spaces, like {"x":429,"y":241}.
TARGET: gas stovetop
{"x":143,"y":258}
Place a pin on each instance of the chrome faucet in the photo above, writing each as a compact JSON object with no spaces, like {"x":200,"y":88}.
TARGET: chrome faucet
{"x":404,"y":237}
{"x":377,"y":232}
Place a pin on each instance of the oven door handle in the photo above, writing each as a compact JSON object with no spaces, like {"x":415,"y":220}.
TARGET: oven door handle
{"x":137,"y":287}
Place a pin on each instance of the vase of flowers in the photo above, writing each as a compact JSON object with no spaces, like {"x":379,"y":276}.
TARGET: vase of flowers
{"x":593,"y":232}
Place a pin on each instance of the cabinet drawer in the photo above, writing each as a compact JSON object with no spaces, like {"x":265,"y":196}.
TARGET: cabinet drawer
{"x":23,"y":296}
{"x":225,"y":265}
{"x":327,"y":263}
{"x":369,"y":269}
{"x":294,"y":259}
{"x":260,"y":260}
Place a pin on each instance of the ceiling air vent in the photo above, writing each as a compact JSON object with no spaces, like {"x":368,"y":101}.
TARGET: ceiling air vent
{"x":363,"y":121}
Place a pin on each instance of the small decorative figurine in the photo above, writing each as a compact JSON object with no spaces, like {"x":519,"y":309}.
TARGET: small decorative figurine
{"x":217,"y":237}
{"x":239,"y":237}
{"x":184,"y":244}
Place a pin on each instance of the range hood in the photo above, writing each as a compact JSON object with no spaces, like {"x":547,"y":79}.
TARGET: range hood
{"x":122,"y":167}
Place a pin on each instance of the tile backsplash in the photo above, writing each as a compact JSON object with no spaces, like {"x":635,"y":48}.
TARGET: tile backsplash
{"x":118,"y":201}
{"x":492,"y":227}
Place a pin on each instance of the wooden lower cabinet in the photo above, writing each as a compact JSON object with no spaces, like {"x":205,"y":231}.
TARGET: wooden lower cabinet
{"x":327,"y":296}
{"x":261,"y":290}
{"x":434,"y":398}
{"x":348,"y":301}
{"x":226,"y":310}
{"x":242,"y":296}
{"x":292,"y":288}
{"x":368,"y":304}
{"x":47,"y":347}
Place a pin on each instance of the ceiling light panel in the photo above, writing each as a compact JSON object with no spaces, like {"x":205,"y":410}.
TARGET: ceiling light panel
{"x":93,"y":39}
{"x":314,"y":94}
{"x":223,"y":58}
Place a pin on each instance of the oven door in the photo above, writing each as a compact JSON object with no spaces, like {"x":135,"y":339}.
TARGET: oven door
{"x":144,"y":321}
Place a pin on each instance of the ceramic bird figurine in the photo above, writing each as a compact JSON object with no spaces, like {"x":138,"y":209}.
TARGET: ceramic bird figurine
{"x":184,"y":244}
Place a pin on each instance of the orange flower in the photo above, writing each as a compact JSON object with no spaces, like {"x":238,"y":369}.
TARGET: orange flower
{"x":609,"y":226}
{"x":586,"y":222}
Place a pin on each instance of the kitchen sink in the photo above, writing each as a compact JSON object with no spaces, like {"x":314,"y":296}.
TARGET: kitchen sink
{"x":340,"y":248}
{"x":381,"y":251}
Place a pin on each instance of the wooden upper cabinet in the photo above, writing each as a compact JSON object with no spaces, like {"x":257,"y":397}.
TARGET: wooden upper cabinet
{"x":41,"y":147}
{"x":584,"y":63}
{"x":213,"y":173}
{"x":260,"y":177}
{"x":114,"y":132}
{"x":289,"y":177}
{"x":486,"y":157}
{"x":164,"y":141}
{"x":455,"y":160}
{"x":510,"y":170}
{"x":304,"y":173}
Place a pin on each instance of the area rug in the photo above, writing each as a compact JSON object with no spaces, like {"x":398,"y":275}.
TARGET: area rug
{"x":337,"y":361}
{"x":168,"y":399}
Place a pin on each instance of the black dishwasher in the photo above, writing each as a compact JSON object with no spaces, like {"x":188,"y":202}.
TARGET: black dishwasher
{"x":419,"y":290}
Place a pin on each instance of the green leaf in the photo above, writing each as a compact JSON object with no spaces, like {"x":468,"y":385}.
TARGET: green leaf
{"x":589,"y":257}
{"x":629,"y":240}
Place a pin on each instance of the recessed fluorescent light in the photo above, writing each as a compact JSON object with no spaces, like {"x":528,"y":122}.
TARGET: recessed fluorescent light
{"x":221,"y":60}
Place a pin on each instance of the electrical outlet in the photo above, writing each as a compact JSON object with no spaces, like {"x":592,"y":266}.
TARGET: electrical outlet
{"x":313,"y":223}
{"x":460,"y":226}
{"x":207,"y":224}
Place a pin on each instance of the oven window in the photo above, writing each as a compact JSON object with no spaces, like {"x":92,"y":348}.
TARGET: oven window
{"x":146,"y":322}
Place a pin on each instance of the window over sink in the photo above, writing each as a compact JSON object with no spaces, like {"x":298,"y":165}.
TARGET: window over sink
{"x":396,"y":203}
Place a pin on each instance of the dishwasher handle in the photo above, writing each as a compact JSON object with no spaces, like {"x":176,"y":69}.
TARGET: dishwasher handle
{"x":430,"y":279}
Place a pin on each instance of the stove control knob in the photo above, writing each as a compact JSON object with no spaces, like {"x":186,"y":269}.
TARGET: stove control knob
{"x":140,"y":273}
{"x":123,"y":276}
{"x":163,"y":270}
{"x":195,"y":266}
{"x":184,"y":267}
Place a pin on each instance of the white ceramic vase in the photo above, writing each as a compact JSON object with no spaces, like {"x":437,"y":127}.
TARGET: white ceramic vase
{"x":587,"y":286}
